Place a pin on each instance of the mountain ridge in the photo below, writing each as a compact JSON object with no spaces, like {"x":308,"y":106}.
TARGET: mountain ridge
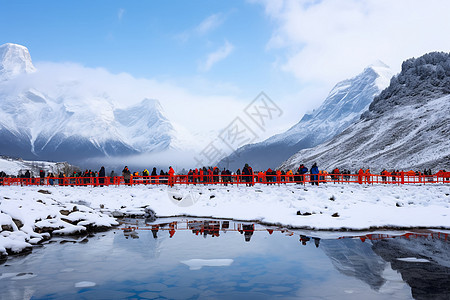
{"x":68,"y":125}
{"x":406,"y":127}
{"x":344,"y":104}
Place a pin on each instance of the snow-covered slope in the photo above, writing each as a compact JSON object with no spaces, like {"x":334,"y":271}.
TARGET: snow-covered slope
{"x":145,"y":126}
{"x":63,"y":123}
{"x":14,"y":166}
{"x":344,"y":104}
{"x":406,"y":126}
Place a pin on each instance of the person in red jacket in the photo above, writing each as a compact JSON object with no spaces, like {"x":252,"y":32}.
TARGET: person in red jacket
{"x":368,"y":175}
{"x":171,"y":176}
{"x":360,"y":176}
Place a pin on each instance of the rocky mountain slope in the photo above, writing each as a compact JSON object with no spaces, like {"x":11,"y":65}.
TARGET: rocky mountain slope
{"x":406,"y":127}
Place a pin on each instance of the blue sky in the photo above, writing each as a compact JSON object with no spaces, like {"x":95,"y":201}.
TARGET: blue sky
{"x":211,"y":58}
{"x":149,"y":39}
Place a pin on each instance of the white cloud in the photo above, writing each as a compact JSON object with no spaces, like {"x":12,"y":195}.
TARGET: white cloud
{"x":216,"y":56}
{"x":210,"y":23}
{"x":330,"y":40}
{"x":185,"y":103}
{"x":205,"y":27}
{"x":120,"y":14}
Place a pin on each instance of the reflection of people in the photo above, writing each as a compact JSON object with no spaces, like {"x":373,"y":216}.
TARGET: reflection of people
{"x":248,"y":231}
{"x":130,"y":232}
{"x":304,"y":239}
{"x":172,"y":227}
{"x":155,"y":229}
{"x":316,"y":242}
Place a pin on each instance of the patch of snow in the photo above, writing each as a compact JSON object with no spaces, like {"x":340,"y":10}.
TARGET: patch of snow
{"x":85,"y":284}
{"x":197,"y":264}
{"x":414,"y":259}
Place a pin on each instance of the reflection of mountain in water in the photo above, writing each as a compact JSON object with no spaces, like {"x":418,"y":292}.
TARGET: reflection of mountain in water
{"x":428,"y":280}
{"x":355,"y":258}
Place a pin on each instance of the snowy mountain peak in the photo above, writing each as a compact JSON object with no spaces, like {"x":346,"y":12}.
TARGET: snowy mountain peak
{"x":14,"y":60}
{"x":344,"y":105}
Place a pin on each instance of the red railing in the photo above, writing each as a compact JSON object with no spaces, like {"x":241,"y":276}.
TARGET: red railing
{"x":403,"y":178}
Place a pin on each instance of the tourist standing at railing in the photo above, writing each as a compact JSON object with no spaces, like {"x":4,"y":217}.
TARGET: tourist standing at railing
{"x":290,"y":176}
{"x":216,"y":175}
{"x":171,"y":176}
{"x":101,"y":176}
{"x":278,"y":174}
{"x":145,"y":175}
{"x":126,"y":175}
{"x":314,"y":174}
{"x":368,"y":175}
{"x":154,"y":175}
{"x":27,"y":177}
{"x":201,"y":173}
{"x":360,"y":176}
{"x":384,"y":174}
{"x":335,"y":174}
{"x":41,"y":176}
{"x":247,"y":173}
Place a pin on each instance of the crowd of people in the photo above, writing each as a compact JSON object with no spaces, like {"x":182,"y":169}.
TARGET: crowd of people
{"x":213,"y":175}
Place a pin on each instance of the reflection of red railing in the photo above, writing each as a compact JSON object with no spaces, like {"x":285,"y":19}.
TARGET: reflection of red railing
{"x":400,"y":178}
{"x":409,"y":236}
{"x":214,"y":227}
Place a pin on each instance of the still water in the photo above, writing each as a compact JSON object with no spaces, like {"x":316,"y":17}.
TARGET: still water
{"x":216,"y":259}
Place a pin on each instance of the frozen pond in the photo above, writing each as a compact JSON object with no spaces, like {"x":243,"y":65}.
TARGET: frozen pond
{"x":217,"y":259}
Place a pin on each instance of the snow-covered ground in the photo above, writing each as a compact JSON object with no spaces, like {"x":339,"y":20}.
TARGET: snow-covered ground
{"x":27,"y":215}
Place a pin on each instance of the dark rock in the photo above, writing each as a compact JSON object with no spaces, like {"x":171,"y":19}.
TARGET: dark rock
{"x":69,"y":221}
{"x":299,"y":213}
{"x":335,"y":215}
{"x":64,"y":212}
{"x":7,"y":228}
{"x":18,"y":223}
{"x":66,"y":241}
{"x":44,"y":192}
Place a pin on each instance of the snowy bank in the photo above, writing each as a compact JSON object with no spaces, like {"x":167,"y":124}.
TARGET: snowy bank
{"x":28,"y":216}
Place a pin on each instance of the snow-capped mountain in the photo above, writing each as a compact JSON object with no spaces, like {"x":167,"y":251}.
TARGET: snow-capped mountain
{"x":14,"y":60}
{"x":406,"y":127}
{"x":62,"y":123}
{"x":344,"y":104}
